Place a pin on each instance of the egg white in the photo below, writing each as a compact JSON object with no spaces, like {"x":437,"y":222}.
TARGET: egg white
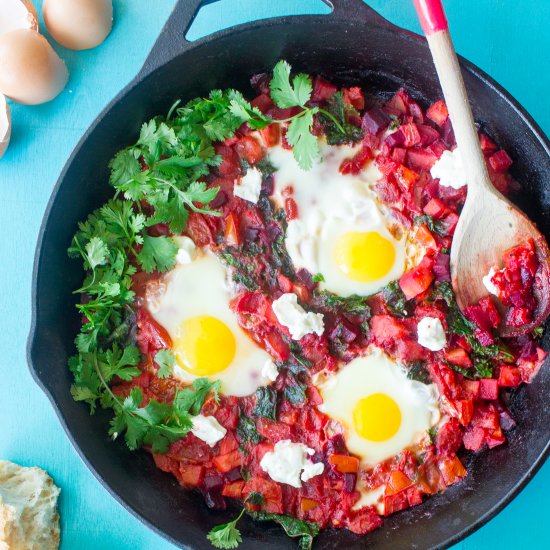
{"x":197,"y":289}
{"x":330,"y":204}
{"x":377,"y":373}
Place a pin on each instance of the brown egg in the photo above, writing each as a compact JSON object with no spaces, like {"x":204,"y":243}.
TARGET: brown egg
{"x":30,"y":70}
{"x":17,"y":14}
{"x":5,"y":125}
{"x":78,"y":24}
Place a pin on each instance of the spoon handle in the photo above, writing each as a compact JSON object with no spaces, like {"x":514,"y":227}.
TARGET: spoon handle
{"x":434,"y":23}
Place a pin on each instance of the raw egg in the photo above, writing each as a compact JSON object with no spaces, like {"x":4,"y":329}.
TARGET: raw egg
{"x":380,"y":410}
{"x":30,"y":70}
{"x":78,"y":24}
{"x":193,"y":306}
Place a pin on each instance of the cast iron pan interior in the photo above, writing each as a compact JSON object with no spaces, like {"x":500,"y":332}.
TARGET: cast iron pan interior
{"x":352,"y":45}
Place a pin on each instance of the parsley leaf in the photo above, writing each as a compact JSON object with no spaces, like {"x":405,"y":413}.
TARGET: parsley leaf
{"x":165,"y":359}
{"x":285,"y":94}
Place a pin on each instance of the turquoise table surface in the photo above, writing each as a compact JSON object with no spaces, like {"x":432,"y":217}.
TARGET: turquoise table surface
{"x":506,"y":38}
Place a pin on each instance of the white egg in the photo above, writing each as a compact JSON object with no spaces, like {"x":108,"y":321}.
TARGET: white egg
{"x":5,"y":125}
{"x":342,"y":231}
{"x":192,"y":304}
{"x":78,"y":24}
{"x":30,"y":70}
{"x":380,"y":410}
{"x":17,"y":14}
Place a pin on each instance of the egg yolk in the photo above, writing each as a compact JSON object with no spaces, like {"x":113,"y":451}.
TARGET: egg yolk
{"x":377,"y":417}
{"x":204,"y":346}
{"x":364,"y":256}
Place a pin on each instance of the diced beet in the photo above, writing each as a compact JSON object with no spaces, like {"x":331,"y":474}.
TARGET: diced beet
{"x":500,"y":161}
{"x":420,"y":159}
{"x":427,"y":134}
{"x":509,"y":377}
{"x":399,"y":154}
{"x":438,"y":112}
{"x":213,"y":481}
{"x":437,"y":148}
{"x":488,"y":389}
{"x":448,"y":134}
{"x":233,"y":475}
{"x":219,"y":200}
{"x":436,"y":209}
{"x":507,"y":421}
{"x":397,"y":105}
{"x":442,"y":268}
{"x":322,"y":89}
{"x":474,"y":438}
{"x":336,"y":445}
{"x":260,"y":82}
{"x":487,"y":146}
{"x":349,"y":482}
{"x":416,"y":111}
{"x":215,"y":500}
{"x":354,"y":96}
{"x":415,"y":282}
{"x":449,"y":437}
{"x":411,"y":134}
{"x":262,"y":102}
{"x":395,"y":139}
{"x":375,"y":120}
{"x":449,"y":223}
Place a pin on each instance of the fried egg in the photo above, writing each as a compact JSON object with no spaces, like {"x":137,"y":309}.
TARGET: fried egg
{"x":379,"y":409}
{"x":342,"y":231}
{"x":193,"y":306}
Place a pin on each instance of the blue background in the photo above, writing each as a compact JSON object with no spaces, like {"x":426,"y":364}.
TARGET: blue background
{"x":506,"y":38}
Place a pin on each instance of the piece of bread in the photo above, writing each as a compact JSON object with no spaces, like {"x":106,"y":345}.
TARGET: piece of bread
{"x":28,"y":509}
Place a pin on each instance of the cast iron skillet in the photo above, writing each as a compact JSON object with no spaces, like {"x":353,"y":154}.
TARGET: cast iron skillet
{"x":351,"y":45}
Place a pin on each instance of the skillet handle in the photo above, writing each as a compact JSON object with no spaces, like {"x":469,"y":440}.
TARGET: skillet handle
{"x":172,"y":41}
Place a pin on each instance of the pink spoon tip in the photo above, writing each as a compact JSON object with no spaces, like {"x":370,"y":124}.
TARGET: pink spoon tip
{"x":432,"y":16}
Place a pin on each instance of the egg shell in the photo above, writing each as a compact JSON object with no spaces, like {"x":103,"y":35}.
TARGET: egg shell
{"x":30,"y":70}
{"x":5,"y":125}
{"x":78,"y":24}
{"x":17,"y":14}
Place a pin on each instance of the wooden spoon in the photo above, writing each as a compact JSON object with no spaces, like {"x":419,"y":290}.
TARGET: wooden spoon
{"x":489,"y":223}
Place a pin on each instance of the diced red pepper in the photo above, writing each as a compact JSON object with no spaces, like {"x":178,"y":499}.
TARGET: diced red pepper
{"x":250,"y":149}
{"x":307,"y":504}
{"x":191,"y":474}
{"x":271,"y":135}
{"x":344,"y":463}
{"x":234,"y":489}
{"x":225,"y":463}
{"x":291,"y":209}
{"x":465,"y":410}
{"x":458,"y":356}
{"x":231,"y":231}
{"x":487,"y":145}
{"x":424,"y":236}
{"x":452,"y":470}
{"x":397,"y":482}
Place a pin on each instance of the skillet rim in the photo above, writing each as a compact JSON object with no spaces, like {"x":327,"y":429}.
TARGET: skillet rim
{"x":258,"y":25}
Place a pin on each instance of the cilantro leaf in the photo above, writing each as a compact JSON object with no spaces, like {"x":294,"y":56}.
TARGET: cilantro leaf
{"x":226,"y":535}
{"x":305,"y":146}
{"x":158,"y":253}
{"x":285,"y":94}
{"x":191,"y":400}
{"x":124,"y":166}
{"x":166,"y":360}
{"x":96,"y":252}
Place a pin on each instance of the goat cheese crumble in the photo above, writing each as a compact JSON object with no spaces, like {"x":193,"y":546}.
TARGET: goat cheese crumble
{"x":449,"y":169}
{"x":289,"y":463}
{"x":431,"y":334}
{"x":249,"y":186}
{"x":293,"y":316}
{"x":208,"y":429}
